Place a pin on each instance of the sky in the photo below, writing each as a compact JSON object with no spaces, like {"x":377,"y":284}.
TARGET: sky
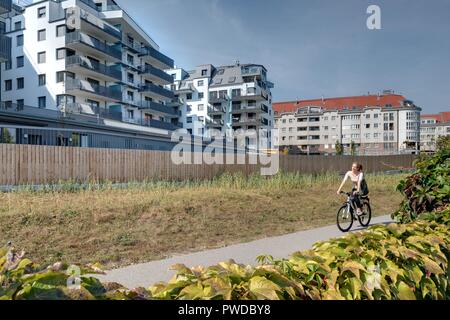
{"x":312,"y":48}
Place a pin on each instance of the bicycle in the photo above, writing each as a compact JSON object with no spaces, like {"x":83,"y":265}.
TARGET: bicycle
{"x":347,"y":213}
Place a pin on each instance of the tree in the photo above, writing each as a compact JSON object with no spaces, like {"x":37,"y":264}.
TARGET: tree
{"x":442,"y":143}
{"x":353,"y":148}
{"x":339,"y":148}
{"x":6,"y":136}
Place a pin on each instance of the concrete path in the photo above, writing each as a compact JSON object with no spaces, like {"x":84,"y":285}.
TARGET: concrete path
{"x":147,"y":274}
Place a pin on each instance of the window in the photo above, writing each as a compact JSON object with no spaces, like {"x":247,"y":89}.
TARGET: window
{"x":19,"y":40}
{"x":62,"y":76}
{"x":60,"y":30}
{"x":8,"y":85}
{"x":42,"y":35}
{"x":42,"y":12}
{"x":42,"y":102}
{"x":201,"y":107}
{"x":200,"y":83}
{"x":130,"y":95}
{"x":20,"y":103}
{"x":60,"y":53}
{"x":42,"y":80}
{"x":20,"y":83}
{"x":204,"y":72}
{"x":189,"y":96}
{"x":367,"y":126}
{"x":130,"y":114}
{"x":130,"y":77}
{"x":375,"y":116}
{"x":8,"y":65}
{"x":20,"y":62}
{"x":201,"y":95}
{"x":188,"y":108}
{"x":18,"y":25}
{"x":42,"y":57}
{"x":189,"y":120}
{"x":130,"y":59}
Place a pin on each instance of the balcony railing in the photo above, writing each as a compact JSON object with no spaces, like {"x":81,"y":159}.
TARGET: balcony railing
{"x":100,"y":24}
{"x":151,"y":88}
{"x":147,"y":69}
{"x":155,"y":54}
{"x":5,"y":6}
{"x":108,"y":92}
{"x":94,"y":66}
{"x":78,"y":37}
{"x":5,"y":48}
{"x":218,"y":99}
{"x":154,"y":124}
{"x":159,"y":107}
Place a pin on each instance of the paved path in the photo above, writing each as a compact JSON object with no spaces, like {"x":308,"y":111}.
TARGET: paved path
{"x":147,"y":274}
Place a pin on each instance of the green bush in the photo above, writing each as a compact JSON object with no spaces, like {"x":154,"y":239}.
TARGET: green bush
{"x":428,"y":189}
{"x":384,"y":262}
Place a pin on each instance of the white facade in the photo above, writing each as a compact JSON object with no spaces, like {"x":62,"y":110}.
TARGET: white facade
{"x":225,"y":98}
{"x":372,"y":130}
{"x":88,"y":57}
{"x":430,"y":131}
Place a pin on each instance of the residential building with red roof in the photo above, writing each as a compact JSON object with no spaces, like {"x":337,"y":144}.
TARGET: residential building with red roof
{"x":379,"y":124}
{"x":432,"y":127}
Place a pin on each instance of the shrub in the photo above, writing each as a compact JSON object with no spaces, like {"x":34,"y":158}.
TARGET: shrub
{"x":428,"y":189}
{"x":384,"y":262}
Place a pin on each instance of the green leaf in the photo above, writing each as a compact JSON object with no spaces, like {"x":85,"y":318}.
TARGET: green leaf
{"x":264,"y":289}
{"x":405,"y":292}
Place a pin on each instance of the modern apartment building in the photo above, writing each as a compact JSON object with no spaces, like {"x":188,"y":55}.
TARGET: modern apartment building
{"x":85,"y":67}
{"x":5,"y":41}
{"x":432,"y":127}
{"x":380,"y":124}
{"x":225,"y":98}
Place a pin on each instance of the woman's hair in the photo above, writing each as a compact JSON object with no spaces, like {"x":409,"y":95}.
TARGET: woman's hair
{"x":358,"y":165}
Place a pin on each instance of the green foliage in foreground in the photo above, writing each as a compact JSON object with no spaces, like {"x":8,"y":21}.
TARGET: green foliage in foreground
{"x":429,"y":188}
{"x":384,"y":262}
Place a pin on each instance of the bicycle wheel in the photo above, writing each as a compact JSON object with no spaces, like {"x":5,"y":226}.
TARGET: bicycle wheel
{"x":364,"y":219}
{"x":344,"y":219}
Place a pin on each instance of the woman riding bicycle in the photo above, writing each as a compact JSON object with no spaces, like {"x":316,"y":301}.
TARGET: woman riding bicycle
{"x":360,"y":188}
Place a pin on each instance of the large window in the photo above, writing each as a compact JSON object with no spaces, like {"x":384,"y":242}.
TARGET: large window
{"x":60,"y":30}
{"x":42,"y":35}
{"x":41,"y":12}
{"x":60,"y":53}
{"x":42,"y":80}
{"x":20,"y":83}
{"x":20,"y":62}
{"x":42,"y":102}
{"x":19,"y":40}
{"x":42,"y":57}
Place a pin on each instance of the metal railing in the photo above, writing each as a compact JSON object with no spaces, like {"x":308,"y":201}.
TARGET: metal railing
{"x":96,"y":22}
{"x":110,"y":71}
{"x":159,"y":107}
{"x":157,"y":90}
{"x":155,"y":54}
{"x":78,"y":37}
{"x":147,"y":69}
{"x":109,"y":92}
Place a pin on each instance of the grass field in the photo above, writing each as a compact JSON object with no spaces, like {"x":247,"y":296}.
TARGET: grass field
{"x":158,"y":219}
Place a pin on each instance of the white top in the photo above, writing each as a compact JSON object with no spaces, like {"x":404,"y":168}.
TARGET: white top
{"x":356,"y":179}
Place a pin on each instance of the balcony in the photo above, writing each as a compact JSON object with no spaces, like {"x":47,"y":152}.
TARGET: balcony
{"x":5,"y":6}
{"x":5,"y":48}
{"x":251,"y":94}
{"x":155,"y":75}
{"x":78,"y":64}
{"x":214,"y":123}
{"x":216,"y":111}
{"x":218,"y":99}
{"x":98,"y":28}
{"x":247,"y":121}
{"x":157,"y":92}
{"x":88,"y":89}
{"x":156,"y":58}
{"x":250,"y":108}
{"x":89,"y":45}
{"x":154,"y":124}
{"x":158,"y":108}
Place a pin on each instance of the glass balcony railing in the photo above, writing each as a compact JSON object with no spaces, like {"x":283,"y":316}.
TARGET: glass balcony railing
{"x":78,"y":37}
{"x":5,"y":48}
{"x":156,"y":72}
{"x":109,"y":71}
{"x":5,"y":6}
{"x":155,"y":54}
{"x":159,"y":107}
{"x":108,"y":92}
{"x":151,"y":88}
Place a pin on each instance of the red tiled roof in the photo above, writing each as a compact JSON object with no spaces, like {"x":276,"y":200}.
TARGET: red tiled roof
{"x":442,"y":117}
{"x":343,"y":102}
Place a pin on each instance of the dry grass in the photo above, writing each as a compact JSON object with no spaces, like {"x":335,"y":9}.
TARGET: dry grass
{"x":155,"y":220}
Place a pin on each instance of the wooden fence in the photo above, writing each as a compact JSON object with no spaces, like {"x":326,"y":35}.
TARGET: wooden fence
{"x":27,"y":164}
